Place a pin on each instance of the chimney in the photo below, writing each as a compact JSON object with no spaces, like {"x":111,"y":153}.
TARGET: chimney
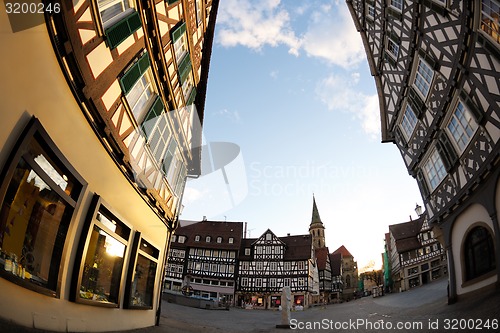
{"x":204,"y":217}
{"x":288,"y":234}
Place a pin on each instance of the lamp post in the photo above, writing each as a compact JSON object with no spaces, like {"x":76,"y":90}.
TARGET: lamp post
{"x":418,"y":210}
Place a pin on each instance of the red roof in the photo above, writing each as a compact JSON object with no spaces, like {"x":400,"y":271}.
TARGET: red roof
{"x":322,"y":257}
{"x":343,"y":251}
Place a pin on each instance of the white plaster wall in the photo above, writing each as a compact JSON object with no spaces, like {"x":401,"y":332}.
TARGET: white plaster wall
{"x":472,"y":215}
{"x":32,"y":83}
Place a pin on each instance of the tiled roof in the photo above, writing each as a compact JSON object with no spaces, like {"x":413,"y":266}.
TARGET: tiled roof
{"x":344,"y":251}
{"x":321,"y":257}
{"x":297,"y":247}
{"x":213,"y":229}
{"x":336,"y":261}
{"x":406,"y":234}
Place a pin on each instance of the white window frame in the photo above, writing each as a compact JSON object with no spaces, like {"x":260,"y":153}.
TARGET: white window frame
{"x":207,"y":239}
{"x":434,"y":170}
{"x":408,"y":121}
{"x":397,"y":4}
{"x":422,"y":81}
{"x":219,"y":239}
{"x":181,"y":47}
{"x":197,"y":238}
{"x":247,"y":251}
{"x":258,"y":282}
{"x":259,"y":266}
{"x":231,"y":240}
{"x":141,"y":95}
{"x":182,"y":239}
{"x":108,"y":4}
{"x":244,"y":282}
{"x":461,"y":126}
{"x":392,"y":48}
{"x":370,"y":11}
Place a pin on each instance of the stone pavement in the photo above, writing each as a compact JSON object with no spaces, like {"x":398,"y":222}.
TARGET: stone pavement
{"x":425,"y":305}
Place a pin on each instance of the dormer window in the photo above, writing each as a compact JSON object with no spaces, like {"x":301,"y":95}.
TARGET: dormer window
{"x":197,"y":238}
{"x":219,"y":239}
{"x":182,"y":239}
{"x":207,"y":239}
{"x":231,"y":240}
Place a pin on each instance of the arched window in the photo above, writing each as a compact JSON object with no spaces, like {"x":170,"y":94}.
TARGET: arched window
{"x":479,"y":253}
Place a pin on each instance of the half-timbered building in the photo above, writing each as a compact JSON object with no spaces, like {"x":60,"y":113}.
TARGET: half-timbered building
{"x":324,"y":274}
{"x":416,"y":256}
{"x":102,"y":104}
{"x":337,"y":280}
{"x":435,"y":65}
{"x":203,"y":257}
{"x":269,"y":263}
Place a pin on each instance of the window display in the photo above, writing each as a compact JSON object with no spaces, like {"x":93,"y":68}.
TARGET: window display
{"x":143,"y":280}
{"x":102,"y":268}
{"x":38,"y":198}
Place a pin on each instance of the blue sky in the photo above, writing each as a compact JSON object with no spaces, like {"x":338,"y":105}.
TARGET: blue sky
{"x":289,"y":84}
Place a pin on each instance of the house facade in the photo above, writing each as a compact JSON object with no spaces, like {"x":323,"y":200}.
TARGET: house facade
{"x":203,"y":260}
{"x":101,"y":123}
{"x":416,"y":256}
{"x":435,"y":65}
{"x":269,"y":263}
{"x":349,"y":273}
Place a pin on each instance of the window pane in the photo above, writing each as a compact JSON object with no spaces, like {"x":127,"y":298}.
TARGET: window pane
{"x":103,"y":268}
{"x":409,"y":121}
{"x":423,"y":78}
{"x":34,"y":220}
{"x":490,"y":12}
{"x":111,"y":8}
{"x":462,"y":126}
{"x":143,"y":284}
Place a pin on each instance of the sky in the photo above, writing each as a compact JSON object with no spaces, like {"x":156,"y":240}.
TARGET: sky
{"x":291,"y":112}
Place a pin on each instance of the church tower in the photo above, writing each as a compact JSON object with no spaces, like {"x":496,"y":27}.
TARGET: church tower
{"x":316,"y":228}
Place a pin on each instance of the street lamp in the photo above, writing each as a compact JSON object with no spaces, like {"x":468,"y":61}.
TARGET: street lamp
{"x":418,"y":210}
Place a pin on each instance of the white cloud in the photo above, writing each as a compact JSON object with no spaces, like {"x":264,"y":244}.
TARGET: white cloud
{"x":332,"y":36}
{"x":330,"y":33}
{"x":340,"y":93}
{"x":254,"y":24}
{"x":231,"y":115}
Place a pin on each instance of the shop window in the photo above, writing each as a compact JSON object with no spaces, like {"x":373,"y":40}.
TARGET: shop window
{"x":142,"y":274}
{"x":103,"y":247}
{"x":479,"y":253}
{"x":39,"y":193}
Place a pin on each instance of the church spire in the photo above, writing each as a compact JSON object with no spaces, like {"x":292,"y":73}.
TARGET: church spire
{"x":315,"y":213}
{"x":316,"y":228}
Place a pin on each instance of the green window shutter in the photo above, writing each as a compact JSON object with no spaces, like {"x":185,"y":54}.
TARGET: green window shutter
{"x":446,"y":151}
{"x":133,"y":74}
{"x":416,"y":103}
{"x":151,"y":117}
{"x":118,"y":32}
{"x":177,"y":33}
{"x":422,"y":184}
{"x":192,"y":96}
{"x":471,"y":106}
{"x":184,"y":67}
